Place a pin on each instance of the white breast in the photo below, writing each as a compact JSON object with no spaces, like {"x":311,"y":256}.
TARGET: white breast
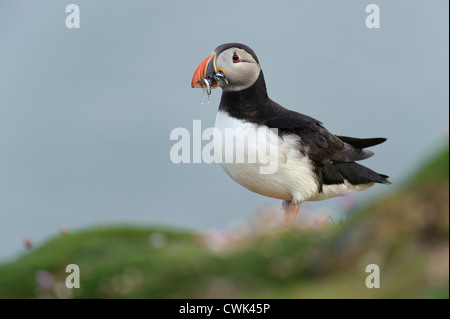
{"x":284,"y":173}
{"x":290,"y":174}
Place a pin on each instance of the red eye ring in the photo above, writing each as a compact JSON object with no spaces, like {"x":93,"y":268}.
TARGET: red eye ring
{"x":236,"y":58}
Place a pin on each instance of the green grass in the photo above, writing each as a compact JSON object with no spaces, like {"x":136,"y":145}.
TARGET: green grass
{"x":405,"y":233}
{"x":436,"y":169}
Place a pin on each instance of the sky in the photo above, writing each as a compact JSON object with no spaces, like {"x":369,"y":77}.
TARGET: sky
{"x":86,"y":113}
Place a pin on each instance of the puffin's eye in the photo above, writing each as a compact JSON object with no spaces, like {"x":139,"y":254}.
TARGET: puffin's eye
{"x":236,"y":58}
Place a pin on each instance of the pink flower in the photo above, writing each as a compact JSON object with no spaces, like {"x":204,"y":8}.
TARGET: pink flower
{"x":28,"y":242}
{"x":63,"y":229}
{"x":44,"y":279}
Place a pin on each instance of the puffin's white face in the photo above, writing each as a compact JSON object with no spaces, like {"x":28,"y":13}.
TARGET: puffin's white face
{"x":240,"y":68}
{"x":233,"y":68}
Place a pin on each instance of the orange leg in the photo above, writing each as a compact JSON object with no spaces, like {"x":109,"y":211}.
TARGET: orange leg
{"x":290,"y":214}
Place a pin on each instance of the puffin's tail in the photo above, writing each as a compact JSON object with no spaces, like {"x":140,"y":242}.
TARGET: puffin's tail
{"x":359,"y":174}
{"x":362,"y":142}
{"x":356,"y":173}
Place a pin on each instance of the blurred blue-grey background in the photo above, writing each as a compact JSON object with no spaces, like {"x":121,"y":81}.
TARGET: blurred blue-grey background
{"x":86,"y":114}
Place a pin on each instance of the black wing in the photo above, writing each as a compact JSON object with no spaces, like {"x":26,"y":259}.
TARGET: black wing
{"x":333,"y":156}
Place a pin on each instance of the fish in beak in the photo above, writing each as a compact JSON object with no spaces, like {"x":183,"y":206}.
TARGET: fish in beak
{"x":208,"y":76}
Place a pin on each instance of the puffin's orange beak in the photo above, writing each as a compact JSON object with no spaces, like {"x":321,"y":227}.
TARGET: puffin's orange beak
{"x":207,"y":67}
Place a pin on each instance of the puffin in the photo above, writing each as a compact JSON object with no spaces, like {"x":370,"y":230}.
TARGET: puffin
{"x":312,"y":163}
